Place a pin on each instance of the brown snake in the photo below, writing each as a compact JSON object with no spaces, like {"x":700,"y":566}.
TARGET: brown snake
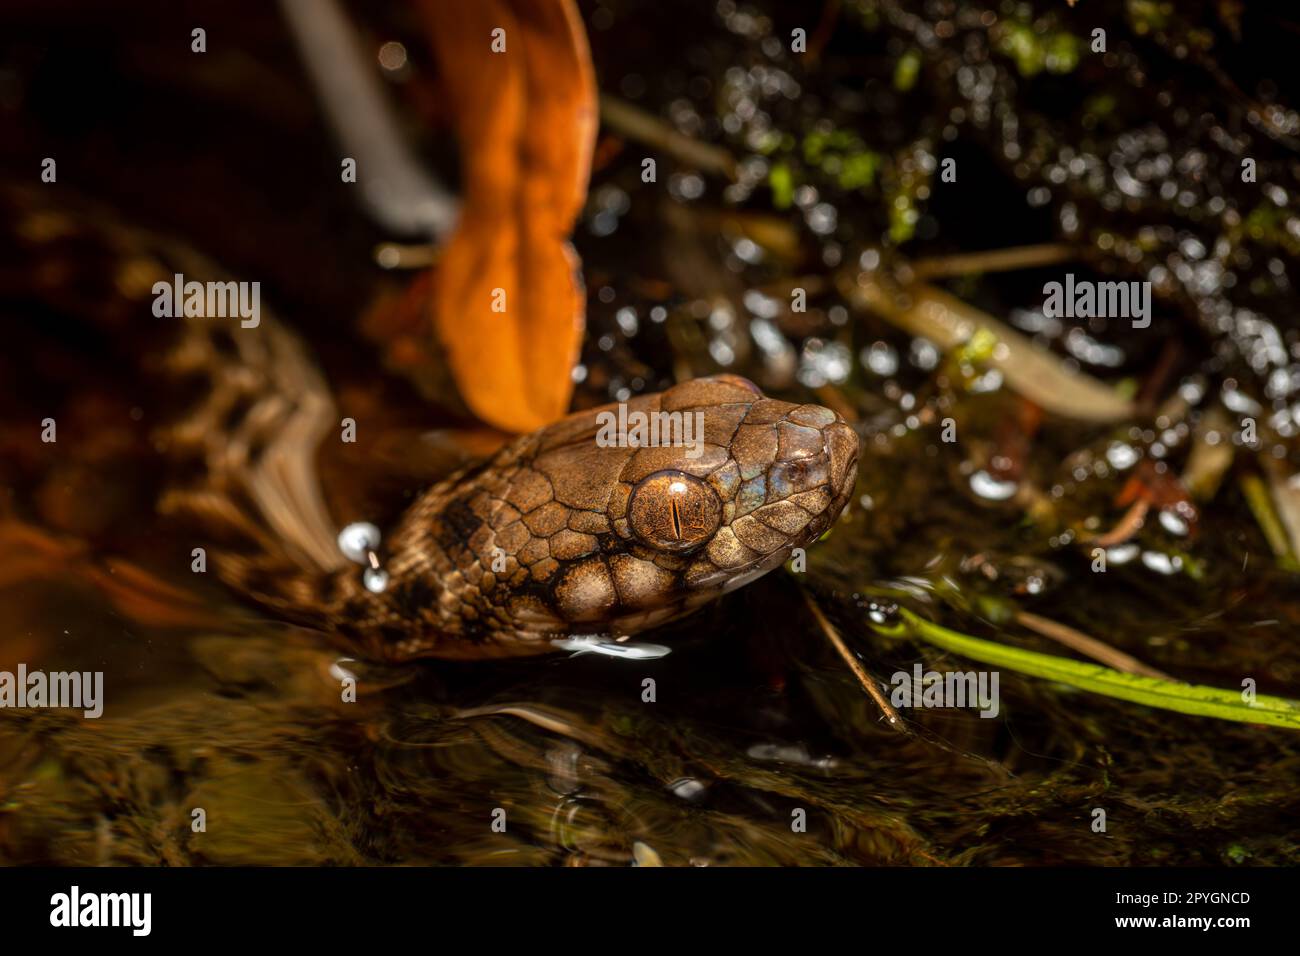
{"x":557,"y":534}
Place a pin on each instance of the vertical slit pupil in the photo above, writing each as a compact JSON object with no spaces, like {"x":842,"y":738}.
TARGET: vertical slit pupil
{"x":677,"y":521}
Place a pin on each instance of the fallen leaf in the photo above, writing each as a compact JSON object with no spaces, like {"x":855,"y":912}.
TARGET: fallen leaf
{"x":526,"y":122}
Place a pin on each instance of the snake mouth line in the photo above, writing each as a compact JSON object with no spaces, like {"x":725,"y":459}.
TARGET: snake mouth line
{"x":840,"y":450}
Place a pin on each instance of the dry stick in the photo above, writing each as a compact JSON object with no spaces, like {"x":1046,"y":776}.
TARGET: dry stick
{"x":1089,"y":646}
{"x":635,"y":123}
{"x":996,"y":260}
{"x":1285,"y":489}
{"x":1208,"y":463}
{"x":949,"y":322}
{"x":866,"y":680}
{"x":397,"y":255}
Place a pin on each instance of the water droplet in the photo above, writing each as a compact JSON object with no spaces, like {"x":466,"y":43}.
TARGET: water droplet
{"x":357,"y":540}
{"x":990,"y":488}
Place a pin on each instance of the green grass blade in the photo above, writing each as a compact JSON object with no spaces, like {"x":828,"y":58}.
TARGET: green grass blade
{"x":1167,"y":695}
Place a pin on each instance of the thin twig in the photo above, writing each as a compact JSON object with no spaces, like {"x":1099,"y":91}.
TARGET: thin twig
{"x":866,"y":680}
{"x":1285,"y":488}
{"x":1088,"y":646}
{"x":635,"y":123}
{"x":1261,"y":506}
{"x":397,"y":255}
{"x":993,"y":260}
{"x":1211,"y":456}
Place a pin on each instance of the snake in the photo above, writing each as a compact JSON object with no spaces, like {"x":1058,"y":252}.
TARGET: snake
{"x":575,"y":529}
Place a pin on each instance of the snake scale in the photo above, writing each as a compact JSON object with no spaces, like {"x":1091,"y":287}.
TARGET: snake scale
{"x":557,"y":534}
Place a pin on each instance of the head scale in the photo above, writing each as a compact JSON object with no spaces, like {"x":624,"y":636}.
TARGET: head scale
{"x":668,"y":500}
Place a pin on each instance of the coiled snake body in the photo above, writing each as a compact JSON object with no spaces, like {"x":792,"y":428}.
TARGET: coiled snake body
{"x":560,"y":533}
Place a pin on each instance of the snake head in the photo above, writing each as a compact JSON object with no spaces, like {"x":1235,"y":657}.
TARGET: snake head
{"x":675,"y":498}
{"x":611,"y":521}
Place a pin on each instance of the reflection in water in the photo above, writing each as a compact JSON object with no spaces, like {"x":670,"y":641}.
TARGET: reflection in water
{"x":245,"y":721}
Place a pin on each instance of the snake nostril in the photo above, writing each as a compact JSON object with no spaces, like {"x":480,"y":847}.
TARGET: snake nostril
{"x":842,"y":450}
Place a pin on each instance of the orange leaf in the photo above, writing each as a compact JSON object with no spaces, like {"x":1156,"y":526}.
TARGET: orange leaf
{"x":526,"y":120}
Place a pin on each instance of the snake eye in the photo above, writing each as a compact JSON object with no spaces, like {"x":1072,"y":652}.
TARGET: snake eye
{"x":673,"y":511}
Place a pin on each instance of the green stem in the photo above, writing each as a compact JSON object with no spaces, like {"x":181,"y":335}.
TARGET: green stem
{"x":1167,"y":695}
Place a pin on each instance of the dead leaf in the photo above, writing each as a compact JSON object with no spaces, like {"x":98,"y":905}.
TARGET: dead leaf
{"x":526,"y":122}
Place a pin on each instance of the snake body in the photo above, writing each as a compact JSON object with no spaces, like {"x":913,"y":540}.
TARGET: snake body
{"x":569,"y":530}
